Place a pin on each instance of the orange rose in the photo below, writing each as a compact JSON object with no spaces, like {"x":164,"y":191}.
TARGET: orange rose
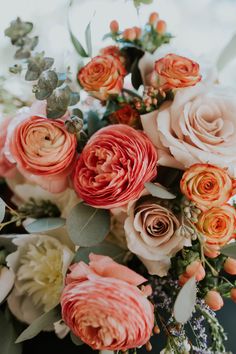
{"x":217,"y":224}
{"x":206,"y":185}
{"x":102,"y":76}
{"x":125,"y":115}
{"x":174,"y":71}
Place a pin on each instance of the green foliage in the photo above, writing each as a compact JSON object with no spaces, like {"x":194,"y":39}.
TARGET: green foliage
{"x":82,"y":225}
{"x":156,"y":190}
{"x":137,"y":3}
{"x":45,"y":224}
{"x":94,"y":123}
{"x":229,"y":250}
{"x":38,"y":209}
{"x":8,"y":335}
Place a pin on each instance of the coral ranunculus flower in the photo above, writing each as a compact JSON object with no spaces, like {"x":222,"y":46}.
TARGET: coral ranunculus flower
{"x":206,"y":185}
{"x":102,"y":305}
{"x":174,"y":71}
{"x":217,"y":224}
{"x":44,"y":152}
{"x":102,"y":76}
{"x":113,"y":167}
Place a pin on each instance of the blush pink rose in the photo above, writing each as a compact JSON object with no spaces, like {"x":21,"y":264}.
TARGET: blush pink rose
{"x":103,"y":306}
{"x":7,"y":168}
{"x":44,"y":151}
{"x":113,"y":167}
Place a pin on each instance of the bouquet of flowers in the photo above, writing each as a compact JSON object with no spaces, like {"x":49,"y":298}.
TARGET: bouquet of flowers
{"x":119,"y":222}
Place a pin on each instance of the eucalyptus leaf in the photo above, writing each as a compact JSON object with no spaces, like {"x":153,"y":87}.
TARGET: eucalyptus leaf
{"x":88,"y":39}
{"x":77,"y":112}
{"x":61,"y":77}
{"x":58,"y":102}
{"x":76,"y":340}
{"x":185,"y":302}
{"x":2,"y":209}
{"x":159,"y":191}
{"x":18,"y":29}
{"x":77,"y":45}
{"x":45,"y":224}
{"x":104,"y":248}
{"x":229,"y":250}
{"x":40,"y":324}
{"x":47,"y":83}
{"x":82,"y":225}
{"x":94,"y":123}
{"x":8,"y":336}
{"x":227,"y":54}
{"x":74,"y":98}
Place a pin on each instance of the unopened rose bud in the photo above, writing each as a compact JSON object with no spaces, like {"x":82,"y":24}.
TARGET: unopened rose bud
{"x":230,"y":266}
{"x":161,"y":27}
{"x":214,"y":300}
{"x":129,"y":34}
{"x":153,"y":18}
{"x":114,"y":26}
{"x":148,"y":347}
{"x":233,"y":294}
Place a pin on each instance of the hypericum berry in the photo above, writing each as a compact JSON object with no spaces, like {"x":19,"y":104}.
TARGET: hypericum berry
{"x":114,"y":26}
{"x":153,"y":18}
{"x":230,"y":266}
{"x":233,"y":294}
{"x":161,"y":27}
{"x":214,"y":300}
{"x":129,"y":34}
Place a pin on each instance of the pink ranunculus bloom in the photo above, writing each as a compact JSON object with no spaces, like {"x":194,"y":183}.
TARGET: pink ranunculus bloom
{"x":113,"y":167}
{"x":7,"y":168}
{"x":44,"y":152}
{"x":102,"y":305}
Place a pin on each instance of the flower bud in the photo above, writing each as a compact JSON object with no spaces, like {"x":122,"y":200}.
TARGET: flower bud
{"x":153,"y":18}
{"x":114,"y":26}
{"x":214,"y":300}
{"x":138,"y":32}
{"x":233,"y":294}
{"x":161,"y":27}
{"x":183,"y":278}
{"x":193,"y":268}
{"x":230,"y":266}
{"x":129,"y":34}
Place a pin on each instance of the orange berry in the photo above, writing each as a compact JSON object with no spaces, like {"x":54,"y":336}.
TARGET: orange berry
{"x":138,"y":32}
{"x":129,"y":34}
{"x":114,"y":26}
{"x":183,"y":278}
{"x":233,"y":294}
{"x":214,"y":300}
{"x":161,"y":27}
{"x":192,"y":268}
{"x":153,"y":18}
{"x":201,"y":273}
{"x":230,"y":266}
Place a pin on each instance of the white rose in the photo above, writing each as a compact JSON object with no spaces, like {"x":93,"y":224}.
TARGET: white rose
{"x":40,"y":264}
{"x":199,"y":126}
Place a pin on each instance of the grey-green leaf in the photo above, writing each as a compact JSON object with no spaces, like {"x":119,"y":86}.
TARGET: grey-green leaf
{"x":229,"y":250}
{"x":77,"y":45}
{"x":185,"y":302}
{"x":156,"y":190}
{"x":40,"y":324}
{"x":45,"y":224}
{"x":104,"y":248}
{"x":2,"y":209}
{"x":87,"y":226}
{"x":8,"y":337}
{"x":88,"y":39}
{"x":76,"y":340}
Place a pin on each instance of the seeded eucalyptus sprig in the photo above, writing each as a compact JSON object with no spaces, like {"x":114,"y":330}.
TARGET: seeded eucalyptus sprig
{"x":48,"y":83}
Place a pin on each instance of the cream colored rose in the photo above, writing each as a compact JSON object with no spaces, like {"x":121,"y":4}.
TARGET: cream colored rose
{"x":151,"y":231}
{"x":40,"y":264}
{"x":199,"y":126}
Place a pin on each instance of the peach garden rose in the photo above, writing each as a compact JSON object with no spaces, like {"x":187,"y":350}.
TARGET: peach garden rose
{"x":102,"y":76}
{"x":113,"y":167}
{"x":206,"y":185}
{"x":6,"y":167}
{"x":102,"y":305}
{"x":44,"y":152}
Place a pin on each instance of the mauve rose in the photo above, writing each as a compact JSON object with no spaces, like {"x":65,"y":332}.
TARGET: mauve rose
{"x":7,"y":168}
{"x":44,"y":152}
{"x":102,"y":305}
{"x":151,"y":232}
{"x":199,"y":126}
{"x":206,"y":185}
{"x":113,"y":167}
{"x":102,"y":76}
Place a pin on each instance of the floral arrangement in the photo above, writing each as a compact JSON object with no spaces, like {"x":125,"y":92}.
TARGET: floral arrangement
{"x":121,"y":222}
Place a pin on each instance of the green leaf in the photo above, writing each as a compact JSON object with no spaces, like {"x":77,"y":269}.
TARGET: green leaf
{"x":158,"y":191}
{"x":40,"y":324}
{"x":61,"y":78}
{"x":77,"y":45}
{"x":45,"y":224}
{"x":87,"y":226}
{"x":94,"y":123}
{"x":18,"y":29}
{"x":76,"y":340}
{"x":77,"y":112}
{"x":8,"y":337}
{"x":2,"y":209}
{"x":47,"y":83}
{"x":74,"y":98}
{"x":88,"y":39}
{"x":227,"y":54}
{"x":58,"y":102}
{"x":185,"y":302}
{"x":104,"y":248}
{"x":229,"y":250}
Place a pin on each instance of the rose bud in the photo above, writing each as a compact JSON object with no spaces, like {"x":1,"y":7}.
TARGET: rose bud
{"x":161,"y":27}
{"x":233,"y":294}
{"x":230,"y":266}
{"x":138,"y":32}
{"x":214,"y":300}
{"x":129,"y":34}
{"x":114,"y":26}
{"x":153,"y":18}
